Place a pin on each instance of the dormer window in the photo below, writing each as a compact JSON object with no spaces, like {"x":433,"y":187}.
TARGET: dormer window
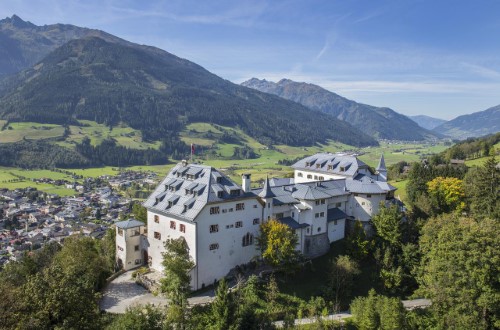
{"x":308,"y":164}
{"x":220,"y":194}
{"x":330,"y":167}
{"x":235,"y":192}
{"x":170,"y":204}
{"x":219,"y":179}
{"x":342,"y":168}
{"x":318,"y":165}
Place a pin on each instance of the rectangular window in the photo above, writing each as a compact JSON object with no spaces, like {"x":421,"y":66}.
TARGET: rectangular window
{"x":157,"y":219}
{"x":256,"y":221}
{"x":214,"y":210}
{"x":315,"y":177}
{"x":279,"y":215}
{"x":172,"y":224}
{"x":330,"y":167}
{"x":255,"y":206}
{"x":338,"y":204}
{"x":309,"y":176}
{"x":322,"y":201}
{"x":136,"y":248}
{"x":316,"y":215}
{"x":214,"y":228}
{"x":238,"y":224}
{"x":317,"y":202}
{"x":182,"y":228}
{"x":135,"y":232}
{"x":321,"y":178}
{"x":240,"y":206}
{"x":368,"y":195}
{"x":157,"y":235}
{"x":322,"y":214}
{"x":214,"y":246}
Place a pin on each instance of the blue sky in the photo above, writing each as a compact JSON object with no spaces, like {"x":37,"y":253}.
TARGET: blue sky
{"x":439,"y":58}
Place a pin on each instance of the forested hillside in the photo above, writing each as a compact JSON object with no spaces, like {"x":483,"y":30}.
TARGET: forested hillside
{"x":472,"y":125}
{"x":382,"y":123}
{"x":157,"y":93}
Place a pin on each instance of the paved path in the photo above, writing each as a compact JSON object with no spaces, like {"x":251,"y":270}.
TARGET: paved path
{"x":123,"y":292}
{"x":332,"y":317}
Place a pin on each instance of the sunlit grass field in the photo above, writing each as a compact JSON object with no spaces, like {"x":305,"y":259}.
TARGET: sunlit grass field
{"x":203,"y":136}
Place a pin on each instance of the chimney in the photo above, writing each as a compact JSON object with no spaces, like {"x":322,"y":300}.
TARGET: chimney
{"x":245,"y":182}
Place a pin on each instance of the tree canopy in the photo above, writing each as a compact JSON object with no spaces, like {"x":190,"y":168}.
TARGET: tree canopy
{"x":278,"y":245}
{"x":460,"y":270}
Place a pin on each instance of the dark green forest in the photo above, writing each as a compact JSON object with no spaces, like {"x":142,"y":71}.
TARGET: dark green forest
{"x":157,"y":93}
{"x":42,"y":154}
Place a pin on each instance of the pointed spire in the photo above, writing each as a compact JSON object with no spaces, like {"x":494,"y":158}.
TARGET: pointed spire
{"x":266,"y":190}
{"x":381,"y":164}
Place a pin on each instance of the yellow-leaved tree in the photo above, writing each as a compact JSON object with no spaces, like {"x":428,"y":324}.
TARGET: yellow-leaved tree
{"x":446,"y":194}
{"x":277,"y":243}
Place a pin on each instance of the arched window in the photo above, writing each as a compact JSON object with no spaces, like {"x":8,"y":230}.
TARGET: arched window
{"x":247,"y":240}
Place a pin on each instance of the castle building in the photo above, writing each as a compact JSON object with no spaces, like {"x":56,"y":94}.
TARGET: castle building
{"x":220,"y":220}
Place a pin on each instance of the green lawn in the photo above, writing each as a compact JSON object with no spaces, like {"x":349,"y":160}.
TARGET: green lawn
{"x":401,"y":192}
{"x":203,"y":135}
{"x":124,"y":135}
{"x":30,"y":131}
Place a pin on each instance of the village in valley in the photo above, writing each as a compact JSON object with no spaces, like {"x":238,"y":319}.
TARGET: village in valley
{"x":29,"y":218}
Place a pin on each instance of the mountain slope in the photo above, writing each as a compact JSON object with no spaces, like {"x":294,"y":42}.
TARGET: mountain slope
{"x":427,"y":122}
{"x":382,"y":123}
{"x":158,"y":93}
{"x":472,"y":125}
{"x":22,"y":43}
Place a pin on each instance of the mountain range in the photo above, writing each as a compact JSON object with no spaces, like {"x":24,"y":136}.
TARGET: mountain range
{"x":381,"y":123}
{"x":103,"y":78}
{"x":473,"y":125}
{"x":427,"y":122}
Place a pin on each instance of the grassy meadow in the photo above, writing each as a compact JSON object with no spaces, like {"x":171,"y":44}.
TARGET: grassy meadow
{"x":208,"y":151}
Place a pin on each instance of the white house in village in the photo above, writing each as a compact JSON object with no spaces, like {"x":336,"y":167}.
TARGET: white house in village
{"x":220,"y":219}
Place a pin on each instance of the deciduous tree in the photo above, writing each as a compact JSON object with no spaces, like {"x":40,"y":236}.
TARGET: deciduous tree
{"x":459,"y":271}
{"x":277,"y":243}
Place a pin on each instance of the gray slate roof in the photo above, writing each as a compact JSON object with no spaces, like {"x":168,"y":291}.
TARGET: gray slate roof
{"x":340,"y":164}
{"x":186,"y":190}
{"x":306,"y":191}
{"x":381,"y":164}
{"x":290,"y":222}
{"x":130,"y":223}
{"x":335,"y":214}
{"x":365,"y":185}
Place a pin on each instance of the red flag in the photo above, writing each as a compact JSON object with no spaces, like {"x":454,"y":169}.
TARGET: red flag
{"x":192,"y":149}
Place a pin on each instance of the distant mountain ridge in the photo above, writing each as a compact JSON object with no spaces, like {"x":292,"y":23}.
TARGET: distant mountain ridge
{"x":109,"y":80}
{"x":472,"y":125}
{"x":382,"y":123}
{"x":427,"y":122}
{"x":22,"y":43}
